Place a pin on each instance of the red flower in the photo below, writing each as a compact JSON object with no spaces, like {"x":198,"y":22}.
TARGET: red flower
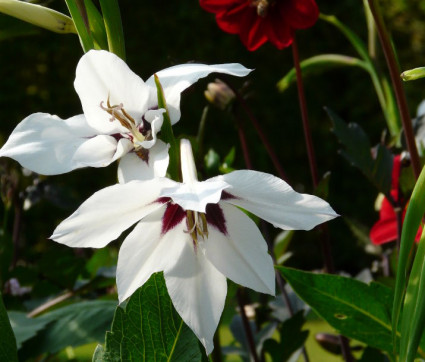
{"x":258,"y":21}
{"x":385,"y":229}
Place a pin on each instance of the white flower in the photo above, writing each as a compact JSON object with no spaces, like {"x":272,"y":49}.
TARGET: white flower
{"x":195,"y":233}
{"x":121,"y":119}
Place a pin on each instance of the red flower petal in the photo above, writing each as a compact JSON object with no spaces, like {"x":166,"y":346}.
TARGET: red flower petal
{"x":283,"y":17}
{"x":383,"y":231}
{"x":253,"y":31}
{"x":299,"y":14}
{"x":232,"y":20}
{"x":216,"y":6}
{"x":278,"y":31}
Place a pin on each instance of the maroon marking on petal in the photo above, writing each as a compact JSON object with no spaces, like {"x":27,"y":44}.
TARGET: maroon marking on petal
{"x":215,"y":217}
{"x":226,"y":196}
{"x":173,"y":215}
{"x":163,"y":200}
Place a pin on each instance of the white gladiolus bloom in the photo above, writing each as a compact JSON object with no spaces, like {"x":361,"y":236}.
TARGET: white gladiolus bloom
{"x":121,"y":120}
{"x":195,"y":233}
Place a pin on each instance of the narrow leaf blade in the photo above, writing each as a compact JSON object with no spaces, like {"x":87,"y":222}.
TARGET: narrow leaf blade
{"x":112,"y":18}
{"x":320,"y":63}
{"x":86,"y":40}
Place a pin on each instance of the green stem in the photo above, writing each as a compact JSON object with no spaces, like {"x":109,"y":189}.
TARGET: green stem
{"x":398,"y":87}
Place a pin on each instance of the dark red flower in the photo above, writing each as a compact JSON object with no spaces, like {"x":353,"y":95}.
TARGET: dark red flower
{"x":259,"y":21}
{"x":385,"y":229}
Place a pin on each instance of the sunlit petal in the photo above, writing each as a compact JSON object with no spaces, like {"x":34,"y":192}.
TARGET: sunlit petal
{"x":132,"y":167}
{"x":155,"y":118}
{"x":198,"y":291}
{"x":275,"y":201}
{"x":175,"y":80}
{"x":49,"y":145}
{"x":195,"y":196}
{"x":108,"y":212}
{"x":241,"y":252}
{"x":101,"y":74}
{"x":147,"y":250}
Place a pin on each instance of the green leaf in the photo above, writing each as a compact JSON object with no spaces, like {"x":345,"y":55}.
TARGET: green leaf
{"x":8,"y":350}
{"x":414,"y":214}
{"x":358,"y":152}
{"x":320,"y":63}
{"x":372,"y":355}
{"x":113,"y":25}
{"x":149,"y":329}
{"x":73,"y":325}
{"x":25,"y":328}
{"x":322,"y":189}
{"x":167,"y":134}
{"x":413,"y":317}
{"x":281,"y":243}
{"x":355,"y":309}
{"x":259,"y":335}
{"x":292,"y":338}
{"x":38,"y":15}
{"x":79,"y":16}
{"x":97,"y":25}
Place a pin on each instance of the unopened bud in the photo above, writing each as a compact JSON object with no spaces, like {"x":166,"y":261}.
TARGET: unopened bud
{"x":38,"y":15}
{"x":219,"y":94}
{"x":413,"y":74}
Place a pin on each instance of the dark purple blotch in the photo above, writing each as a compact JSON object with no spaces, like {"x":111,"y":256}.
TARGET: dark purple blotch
{"x":215,"y":217}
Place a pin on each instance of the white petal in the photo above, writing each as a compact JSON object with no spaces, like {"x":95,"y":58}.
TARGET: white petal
{"x":155,"y":118}
{"x":275,"y":201}
{"x":198,"y":292}
{"x":98,"y":151}
{"x":108,"y":212}
{"x":241,"y":252}
{"x":101,"y":74}
{"x":132,"y":167}
{"x":175,"y":80}
{"x":146,"y":250}
{"x":196,"y":195}
{"x":49,"y":145}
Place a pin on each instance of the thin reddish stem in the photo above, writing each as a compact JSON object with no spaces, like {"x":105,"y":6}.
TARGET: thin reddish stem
{"x":397,"y":85}
{"x":261,"y":134}
{"x":324,"y":236}
{"x":304,"y":116}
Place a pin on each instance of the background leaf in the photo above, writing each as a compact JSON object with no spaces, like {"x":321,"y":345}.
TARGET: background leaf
{"x":149,"y":329}
{"x":292,"y":338}
{"x":354,"y":309}
{"x":358,"y":152}
{"x":73,"y":325}
{"x":7,"y":339}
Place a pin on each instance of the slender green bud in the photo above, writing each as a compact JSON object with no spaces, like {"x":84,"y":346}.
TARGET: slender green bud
{"x":38,"y":15}
{"x":413,"y":74}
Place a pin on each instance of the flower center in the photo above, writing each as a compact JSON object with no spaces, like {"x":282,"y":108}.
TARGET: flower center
{"x":262,"y":7}
{"x":118,"y":113}
{"x":197,"y":225}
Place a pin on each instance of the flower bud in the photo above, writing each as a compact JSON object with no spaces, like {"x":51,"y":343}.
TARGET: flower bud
{"x":219,"y":94}
{"x":413,"y":74}
{"x":38,"y":15}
